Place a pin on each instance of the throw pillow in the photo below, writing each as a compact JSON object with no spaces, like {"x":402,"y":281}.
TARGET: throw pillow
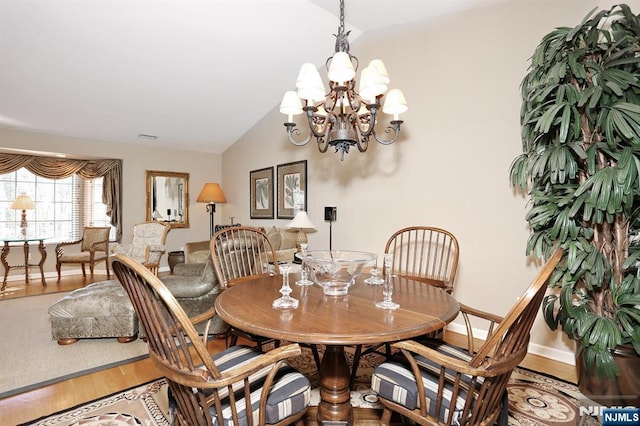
{"x":199,"y":256}
{"x":274,"y":236}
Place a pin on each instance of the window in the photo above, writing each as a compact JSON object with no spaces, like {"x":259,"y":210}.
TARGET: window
{"x":63,"y":206}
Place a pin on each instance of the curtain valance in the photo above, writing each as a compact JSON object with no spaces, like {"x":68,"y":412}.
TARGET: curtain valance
{"x":58,"y":168}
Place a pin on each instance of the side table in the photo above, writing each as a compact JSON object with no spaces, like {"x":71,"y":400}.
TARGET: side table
{"x":174,"y":258}
{"x":5,"y":252}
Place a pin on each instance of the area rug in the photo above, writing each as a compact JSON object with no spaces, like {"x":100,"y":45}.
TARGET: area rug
{"x":31,"y":358}
{"x":143,"y":405}
{"x":534,"y":400}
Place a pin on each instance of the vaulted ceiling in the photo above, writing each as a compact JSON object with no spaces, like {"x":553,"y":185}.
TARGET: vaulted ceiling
{"x":195,"y":73}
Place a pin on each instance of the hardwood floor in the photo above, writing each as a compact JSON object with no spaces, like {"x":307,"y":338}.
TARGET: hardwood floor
{"x":60,"y":396}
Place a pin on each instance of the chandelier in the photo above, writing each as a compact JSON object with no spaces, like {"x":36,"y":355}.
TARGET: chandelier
{"x":343,"y":117}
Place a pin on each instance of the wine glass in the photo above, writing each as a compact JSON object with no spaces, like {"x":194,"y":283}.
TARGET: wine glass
{"x":387,"y":289}
{"x":375,"y":278}
{"x":304,"y":274}
{"x":286,"y":301}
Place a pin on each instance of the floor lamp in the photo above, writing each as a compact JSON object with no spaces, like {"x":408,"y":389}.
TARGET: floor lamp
{"x":211,"y":193}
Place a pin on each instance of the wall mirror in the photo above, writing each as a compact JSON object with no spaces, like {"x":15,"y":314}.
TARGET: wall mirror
{"x":168,"y":198}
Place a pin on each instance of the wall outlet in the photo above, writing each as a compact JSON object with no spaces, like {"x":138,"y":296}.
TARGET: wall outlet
{"x":330,"y":214}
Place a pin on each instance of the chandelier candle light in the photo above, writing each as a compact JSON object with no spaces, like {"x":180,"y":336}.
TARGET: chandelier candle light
{"x":23,"y":202}
{"x":343,"y":117}
{"x":211,"y":193}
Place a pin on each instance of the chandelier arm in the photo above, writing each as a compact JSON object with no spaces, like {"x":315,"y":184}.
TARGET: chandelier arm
{"x":368,"y":129}
{"x":313,"y":119}
{"x":291,"y":130}
{"x":323,"y":145}
{"x":363,"y":144}
{"x":395,"y":127}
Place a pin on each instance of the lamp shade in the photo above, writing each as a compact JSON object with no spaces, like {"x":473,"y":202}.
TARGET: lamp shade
{"x":301,"y":221}
{"x":23,"y":202}
{"x":379,"y":66}
{"x":291,"y":104}
{"x":309,"y":83}
{"x":395,"y":103}
{"x":211,"y":193}
{"x":372,"y":84}
{"x":341,"y":69}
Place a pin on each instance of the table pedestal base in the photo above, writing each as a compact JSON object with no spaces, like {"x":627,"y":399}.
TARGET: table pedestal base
{"x":335,"y":405}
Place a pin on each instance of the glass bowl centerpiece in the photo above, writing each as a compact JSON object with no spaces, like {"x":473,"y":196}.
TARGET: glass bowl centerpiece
{"x":336,"y":270}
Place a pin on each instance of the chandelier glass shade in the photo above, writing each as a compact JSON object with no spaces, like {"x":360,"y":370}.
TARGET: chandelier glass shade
{"x":343,"y":117}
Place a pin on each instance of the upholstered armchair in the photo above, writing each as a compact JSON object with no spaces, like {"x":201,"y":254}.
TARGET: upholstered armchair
{"x":148,"y":244}
{"x":93,"y":246}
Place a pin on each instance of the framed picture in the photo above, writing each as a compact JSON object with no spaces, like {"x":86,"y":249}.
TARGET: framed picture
{"x":292,"y":188}
{"x":261,"y":193}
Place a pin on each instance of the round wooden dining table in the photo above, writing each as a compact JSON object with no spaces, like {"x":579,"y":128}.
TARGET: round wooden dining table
{"x":336,"y":322}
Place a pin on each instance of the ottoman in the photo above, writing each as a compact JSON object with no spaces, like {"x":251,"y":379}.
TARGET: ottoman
{"x":101,"y":309}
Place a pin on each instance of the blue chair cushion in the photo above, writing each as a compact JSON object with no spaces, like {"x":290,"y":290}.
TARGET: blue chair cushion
{"x":289,"y":395}
{"x":394,"y":381}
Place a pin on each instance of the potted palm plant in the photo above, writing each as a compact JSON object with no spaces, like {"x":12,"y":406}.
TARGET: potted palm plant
{"x":580,"y":164}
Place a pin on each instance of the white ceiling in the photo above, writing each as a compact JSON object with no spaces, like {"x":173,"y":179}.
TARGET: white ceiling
{"x":196,"y":73}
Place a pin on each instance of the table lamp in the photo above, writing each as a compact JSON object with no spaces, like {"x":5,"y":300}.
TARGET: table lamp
{"x":301,"y":222}
{"x":23,"y":202}
{"x":211,"y":193}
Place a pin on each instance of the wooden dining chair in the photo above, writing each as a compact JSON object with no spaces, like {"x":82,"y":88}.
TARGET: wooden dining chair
{"x":421,"y":253}
{"x":425,"y":253}
{"x":238,"y":386}
{"x":241,"y":253}
{"x":441,"y":384}
{"x":93,"y":248}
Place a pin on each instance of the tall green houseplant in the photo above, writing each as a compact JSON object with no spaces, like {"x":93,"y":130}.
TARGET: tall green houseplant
{"x":580,"y":164}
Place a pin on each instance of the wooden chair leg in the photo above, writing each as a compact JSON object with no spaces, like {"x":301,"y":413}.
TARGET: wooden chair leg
{"x":385,"y":420}
{"x":233,"y":339}
{"x":316,"y":355}
{"x":354,"y":367}
{"x":503,"y":419}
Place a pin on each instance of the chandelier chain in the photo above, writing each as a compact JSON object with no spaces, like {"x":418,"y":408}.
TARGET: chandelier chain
{"x":341,"y":27}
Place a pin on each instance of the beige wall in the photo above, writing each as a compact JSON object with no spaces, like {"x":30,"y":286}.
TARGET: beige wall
{"x":137,"y":159}
{"x":461,"y":76}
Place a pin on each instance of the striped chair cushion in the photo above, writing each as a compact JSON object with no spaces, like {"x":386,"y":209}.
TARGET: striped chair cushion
{"x":289,"y":395}
{"x":394,"y":381}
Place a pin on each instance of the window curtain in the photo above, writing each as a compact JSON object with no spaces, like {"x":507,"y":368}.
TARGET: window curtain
{"x":58,"y":168}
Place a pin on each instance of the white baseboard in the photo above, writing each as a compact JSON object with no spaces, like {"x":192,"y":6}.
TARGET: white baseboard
{"x":566,"y":357}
